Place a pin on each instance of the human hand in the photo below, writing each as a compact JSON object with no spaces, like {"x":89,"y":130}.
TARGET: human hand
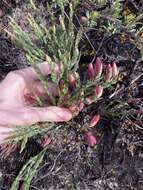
{"x":15,"y":110}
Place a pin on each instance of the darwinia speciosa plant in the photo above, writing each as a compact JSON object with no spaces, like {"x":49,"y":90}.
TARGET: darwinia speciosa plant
{"x":57,"y":44}
{"x":59,"y":47}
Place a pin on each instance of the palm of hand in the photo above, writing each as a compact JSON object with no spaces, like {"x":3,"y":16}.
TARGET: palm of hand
{"x":15,"y":110}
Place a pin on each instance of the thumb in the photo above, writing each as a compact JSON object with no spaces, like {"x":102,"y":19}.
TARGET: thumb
{"x":51,"y":114}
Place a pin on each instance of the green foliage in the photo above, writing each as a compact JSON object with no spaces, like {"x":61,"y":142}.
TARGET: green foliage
{"x":109,"y":16}
{"x":92,"y":17}
{"x":112,"y":16}
{"x":134,"y":25}
{"x":28,"y":172}
{"x":99,"y":2}
{"x":58,"y":44}
{"x":60,"y":39}
{"x":23,"y":133}
{"x":115,"y":10}
{"x":115,"y":19}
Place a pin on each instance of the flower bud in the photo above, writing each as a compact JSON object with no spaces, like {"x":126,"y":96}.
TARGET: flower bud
{"x":95,"y":119}
{"x":72,"y":81}
{"x":98,"y":91}
{"x":114,"y":70}
{"x":108,"y":73}
{"x":81,"y":106}
{"x":98,"y":67}
{"x":46,"y":142}
{"x":90,"y":71}
{"x":90,"y":138}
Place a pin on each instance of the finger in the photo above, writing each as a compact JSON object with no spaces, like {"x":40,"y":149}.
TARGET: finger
{"x":49,"y":114}
{"x":31,"y":115}
{"x":29,"y":74}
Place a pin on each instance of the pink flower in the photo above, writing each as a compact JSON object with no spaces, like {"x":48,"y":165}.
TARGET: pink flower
{"x":46,"y":142}
{"x":98,"y":91}
{"x":98,"y":67}
{"x":90,"y":138}
{"x":81,"y":106}
{"x":90,"y":71}
{"x":108,"y":73}
{"x":72,"y":81}
{"x":114,"y":70}
{"x":94,"y":120}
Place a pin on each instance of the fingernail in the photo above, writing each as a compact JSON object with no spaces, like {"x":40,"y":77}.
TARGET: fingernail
{"x":67,"y":115}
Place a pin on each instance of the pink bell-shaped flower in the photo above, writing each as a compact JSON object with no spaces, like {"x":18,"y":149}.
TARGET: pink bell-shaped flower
{"x":114,"y":70}
{"x":98,"y":67}
{"x":95,"y":119}
{"x":90,"y":71}
{"x":98,"y":91}
{"x":90,"y":138}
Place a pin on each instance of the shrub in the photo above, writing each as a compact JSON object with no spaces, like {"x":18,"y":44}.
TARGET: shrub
{"x":58,"y":45}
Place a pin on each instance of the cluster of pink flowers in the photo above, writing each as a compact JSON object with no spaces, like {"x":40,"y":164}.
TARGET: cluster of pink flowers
{"x":94,"y":73}
{"x":89,"y":136}
{"x":111,"y":72}
{"x":96,"y":79}
{"x":95,"y":70}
